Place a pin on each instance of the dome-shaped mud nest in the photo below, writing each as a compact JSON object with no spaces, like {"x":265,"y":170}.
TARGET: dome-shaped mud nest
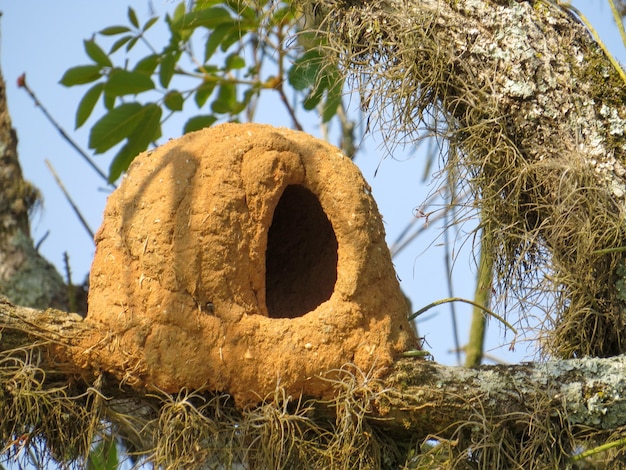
{"x":242,"y":256}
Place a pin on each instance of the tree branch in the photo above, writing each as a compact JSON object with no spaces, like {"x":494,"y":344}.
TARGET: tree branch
{"x":423,"y":397}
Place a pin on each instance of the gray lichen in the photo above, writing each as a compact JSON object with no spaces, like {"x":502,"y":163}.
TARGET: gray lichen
{"x":598,"y":396}
{"x":533,"y":113}
{"x":28,"y":279}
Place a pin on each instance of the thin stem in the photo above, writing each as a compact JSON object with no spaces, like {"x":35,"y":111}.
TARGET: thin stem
{"x":459,"y":299}
{"x":618,"y":21}
{"x":448,"y":267}
{"x":598,"y":450}
{"x":22,"y":83}
{"x":279,"y":86}
{"x":69,"y":199}
{"x":482,"y":298}
{"x":71,"y":293}
{"x":606,"y":251}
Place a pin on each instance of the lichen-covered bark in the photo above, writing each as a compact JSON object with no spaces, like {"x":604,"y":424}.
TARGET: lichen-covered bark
{"x":25,"y":276}
{"x":587,"y":392}
{"x":534,"y":116}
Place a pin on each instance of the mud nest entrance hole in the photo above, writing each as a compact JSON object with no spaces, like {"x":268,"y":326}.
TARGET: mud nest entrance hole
{"x":301,"y":256}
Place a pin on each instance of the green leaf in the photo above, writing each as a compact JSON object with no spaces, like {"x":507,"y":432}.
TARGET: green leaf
{"x":114,"y":30}
{"x":179,"y":12}
{"x":132,"y":43}
{"x":122,"y":161}
{"x":310,"y":72}
{"x":314,"y":98}
{"x":199,"y":122}
{"x":247,"y":96}
{"x":215,"y":38}
{"x":241,"y":9}
{"x":174,"y":101}
{"x":149,"y":23}
{"x":103,"y":456}
{"x":303,"y":74}
{"x":208,"y":17}
{"x":124,"y":82}
{"x":147,"y":65}
{"x":231,"y":39}
{"x":80,"y":75}
{"x":167,"y":68}
{"x":87,"y":103}
{"x":333,"y":95}
{"x":138,"y":140}
{"x":203,"y":92}
{"x":208,"y":69}
{"x":226,"y":99}
{"x":233,"y":62}
{"x":150,"y":129}
{"x":333,"y":100}
{"x":97,"y":54}
{"x":201,"y":4}
{"x":119,"y":43}
{"x":238,"y":106}
{"x":132,"y":17}
{"x":109,"y":101}
{"x":115,"y":126}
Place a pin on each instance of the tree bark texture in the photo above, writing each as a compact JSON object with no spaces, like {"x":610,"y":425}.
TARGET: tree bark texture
{"x":533,"y":113}
{"x":25,"y":276}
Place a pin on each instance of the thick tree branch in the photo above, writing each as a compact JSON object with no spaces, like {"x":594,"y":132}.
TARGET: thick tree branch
{"x":588,"y":392}
{"x":420,"y":397}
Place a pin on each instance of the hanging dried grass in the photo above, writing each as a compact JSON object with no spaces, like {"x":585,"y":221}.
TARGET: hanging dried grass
{"x":533,"y":116}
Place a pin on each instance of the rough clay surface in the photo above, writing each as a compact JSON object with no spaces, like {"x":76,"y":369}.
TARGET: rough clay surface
{"x":180,"y":275}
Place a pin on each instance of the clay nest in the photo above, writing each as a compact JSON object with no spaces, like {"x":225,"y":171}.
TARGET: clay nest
{"x":540,"y":157}
{"x":241,"y":257}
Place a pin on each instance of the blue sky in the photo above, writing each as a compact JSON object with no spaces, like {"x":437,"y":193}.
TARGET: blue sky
{"x":43,"y":39}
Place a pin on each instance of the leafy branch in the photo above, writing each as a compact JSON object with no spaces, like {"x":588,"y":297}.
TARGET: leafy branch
{"x":226,"y":81}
